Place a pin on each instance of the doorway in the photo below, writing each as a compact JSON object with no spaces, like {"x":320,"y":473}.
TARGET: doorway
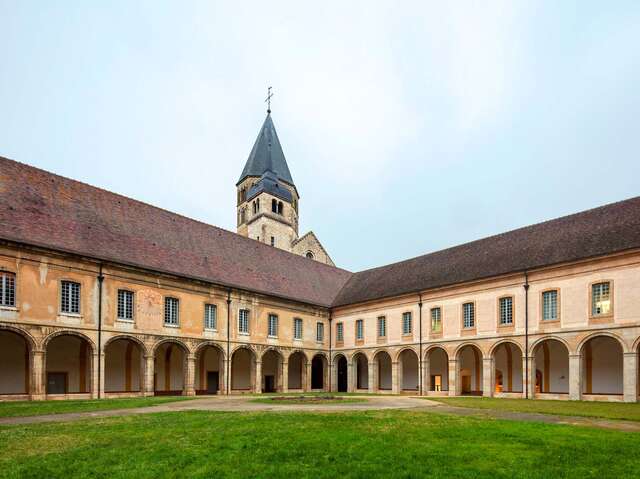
{"x":213,"y":379}
{"x":269,"y":384}
{"x":342,"y":374}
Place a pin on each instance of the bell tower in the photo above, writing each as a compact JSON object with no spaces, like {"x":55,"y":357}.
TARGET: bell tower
{"x":268,"y":201}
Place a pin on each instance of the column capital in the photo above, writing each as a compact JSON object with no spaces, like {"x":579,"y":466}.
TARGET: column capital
{"x":630,"y":354}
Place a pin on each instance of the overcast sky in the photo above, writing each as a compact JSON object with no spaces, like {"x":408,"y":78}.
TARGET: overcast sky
{"x":408,"y":126}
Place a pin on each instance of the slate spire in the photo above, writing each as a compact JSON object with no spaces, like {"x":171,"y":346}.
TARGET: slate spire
{"x":267,"y":155}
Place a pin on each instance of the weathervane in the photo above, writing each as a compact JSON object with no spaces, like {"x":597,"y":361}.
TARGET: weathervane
{"x":268,"y":99}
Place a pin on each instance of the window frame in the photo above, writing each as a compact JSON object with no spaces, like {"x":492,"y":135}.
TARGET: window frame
{"x":295,"y":322}
{"x":60,"y":288}
{"x":177,"y":323}
{"x":410,"y":332}
{"x":319,"y":332}
{"x":215,"y":317}
{"x":475,"y":319}
{"x":382,"y":320}
{"x":3,"y":274}
{"x":133,"y":305}
{"x":557,"y":318}
{"x":269,"y":317}
{"x":246,"y":332}
{"x":431,"y":310}
{"x":359,"y":335}
{"x":603,"y":316}
{"x":513,"y":311}
{"x":340,"y":332}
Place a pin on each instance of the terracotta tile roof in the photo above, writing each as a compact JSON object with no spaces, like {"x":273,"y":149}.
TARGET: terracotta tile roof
{"x":600,"y":231}
{"x":43,"y":209}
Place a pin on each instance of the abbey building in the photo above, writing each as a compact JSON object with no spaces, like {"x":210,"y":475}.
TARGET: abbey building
{"x":105,"y":296}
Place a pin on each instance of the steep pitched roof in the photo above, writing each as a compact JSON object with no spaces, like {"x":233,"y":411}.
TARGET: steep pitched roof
{"x":47,"y":210}
{"x":600,"y":231}
{"x":266,"y":155}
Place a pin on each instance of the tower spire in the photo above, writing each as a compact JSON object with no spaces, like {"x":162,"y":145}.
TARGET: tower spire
{"x":268,"y":100}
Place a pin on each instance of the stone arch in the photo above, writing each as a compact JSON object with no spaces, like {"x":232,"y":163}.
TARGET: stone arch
{"x":360,"y":363}
{"x":209,"y":368}
{"x":436,"y":369}
{"x":469,"y":359}
{"x":383,"y":370}
{"x":69,"y":360}
{"x":297,"y":370}
{"x":271,"y":361}
{"x":121,"y":355}
{"x":16,"y":361}
{"x":602,"y":364}
{"x":170,"y":367}
{"x":297,"y":351}
{"x":506,"y":357}
{"x":243,"y":369}
{"x":341,"y":375}
{"x":408,"y":369}
{"x":460,"y":347}
{"x":138,"y":341}
{"x":28,"y":337}
{"x":68,"y":332}
{"x":595,"y":334}
{"x":554,"y":337}
{"x":319,"y":371}
{"x":550,"y":366}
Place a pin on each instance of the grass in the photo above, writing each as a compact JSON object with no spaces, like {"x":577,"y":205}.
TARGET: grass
{"x":355,"y":444}
{"x":37,"y":408}
{"x":606,"y":410}
{"x":305,"y":400}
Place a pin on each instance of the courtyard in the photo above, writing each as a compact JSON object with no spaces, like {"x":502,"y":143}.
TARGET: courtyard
{"x":373,"y":437}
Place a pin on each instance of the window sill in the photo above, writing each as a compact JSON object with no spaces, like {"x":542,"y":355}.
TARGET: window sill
{"x":339,"y":344}
{"x":468,"y":332}
{"x":407,"y":336}
{"x":241,"y":333}
{"x":9,"y":308}
{"x":70,"y":315}
{"x":601,"y":319}
{"x":359,"y":342}
{"x":435,"y":334}
{"x":298,"y":340}
{"x":173,"y":326}
{"x":272,"y":337}
{"x":124,"y":320}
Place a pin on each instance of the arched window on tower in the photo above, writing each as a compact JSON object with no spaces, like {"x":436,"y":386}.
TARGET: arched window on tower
{"x":280,"y":207}
{"x":258,"y":205}
{"x":274,"y":205}
{"x":243,"y":194}
{"x":242,"y":215}
{"x":253,"y":205}
{"x":309,"y":255}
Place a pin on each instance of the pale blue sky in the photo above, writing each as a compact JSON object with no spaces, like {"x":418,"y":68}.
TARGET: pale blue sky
{"x":408,"y":127}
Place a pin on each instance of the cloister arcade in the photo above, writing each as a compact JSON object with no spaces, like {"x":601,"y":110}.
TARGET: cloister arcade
{"x":600,"y":366}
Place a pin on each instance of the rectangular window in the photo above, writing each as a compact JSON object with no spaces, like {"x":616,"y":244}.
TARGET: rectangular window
{"x":243,"y":321}
{"x":407,"y":323}
{"x":339,"y":332}
{"x":506,"y":311}
{"x":210,"y":316}
{"x":171,"y":311}
{"x":273,"y":325}
{"x":125,"y":305}
{"x":550,"y":305}
{"x":359,"y":329}
{"x":600,"y":299}
{"x":273,"y":241}
{"x":320,"y":332}
{"x":7,"y":289}
{"x":468,"y":315}
{"x":70,"y":297}
{"x":436,"y":320}
{"x":382,"y":327}
{"x":297,"y":328}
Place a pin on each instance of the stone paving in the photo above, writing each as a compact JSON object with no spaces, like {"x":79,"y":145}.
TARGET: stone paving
{"x":246,"y":404}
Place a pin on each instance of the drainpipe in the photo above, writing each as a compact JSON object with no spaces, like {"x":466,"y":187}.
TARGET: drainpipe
{"x":420,"y":387}
{"x":100,"y":280}
{"x":330,"y":360}
{"x":228,"y":369}
{"x":526,"y":335}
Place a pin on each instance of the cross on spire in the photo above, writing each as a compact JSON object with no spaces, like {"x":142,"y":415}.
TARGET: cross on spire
{"x":268,"y":99}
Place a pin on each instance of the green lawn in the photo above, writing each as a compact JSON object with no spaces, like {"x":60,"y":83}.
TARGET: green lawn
{"x":355,"y":444}
{"x":607,"y":410}
{"x":37,"y":408}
